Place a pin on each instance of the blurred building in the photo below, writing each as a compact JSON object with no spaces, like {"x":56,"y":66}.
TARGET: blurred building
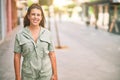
{"x":8,"y":17}
{"x":104,"y":14}
{"x":2,"y":19}
{"x":10,"y":13}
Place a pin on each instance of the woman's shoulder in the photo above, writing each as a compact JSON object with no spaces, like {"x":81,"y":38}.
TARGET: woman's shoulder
{"x":45,"y":35}
{"x":46,"y":31}
{"x":21,"y":31}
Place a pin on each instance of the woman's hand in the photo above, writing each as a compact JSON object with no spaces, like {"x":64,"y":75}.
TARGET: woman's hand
{"x":54,"y":77}
{"x":54,"y":65}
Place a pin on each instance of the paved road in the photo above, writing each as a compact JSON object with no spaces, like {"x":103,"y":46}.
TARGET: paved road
{"x":87,"y":54}
{"x":91,"y":54}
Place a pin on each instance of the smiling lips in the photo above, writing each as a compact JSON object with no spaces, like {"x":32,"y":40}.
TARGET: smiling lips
{"x":35,"y":21}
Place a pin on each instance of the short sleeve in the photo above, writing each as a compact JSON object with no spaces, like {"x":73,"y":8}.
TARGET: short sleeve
{"x":51,"y":46}
{"x":17,"y":47}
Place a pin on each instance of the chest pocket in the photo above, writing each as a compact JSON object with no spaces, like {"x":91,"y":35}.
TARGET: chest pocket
{"x":45,"y":42}
{"x":27,"y":46}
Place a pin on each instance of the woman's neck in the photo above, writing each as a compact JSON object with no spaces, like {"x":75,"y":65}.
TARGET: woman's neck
{"x":34,"y":27}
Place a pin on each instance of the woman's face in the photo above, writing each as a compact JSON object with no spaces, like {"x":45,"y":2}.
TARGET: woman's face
{"x":35,"y":17}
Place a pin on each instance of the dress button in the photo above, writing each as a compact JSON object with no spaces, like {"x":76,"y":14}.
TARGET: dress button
{"x":35,"y":46}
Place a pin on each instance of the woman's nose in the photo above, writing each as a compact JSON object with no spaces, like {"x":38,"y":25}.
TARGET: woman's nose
{"x":35,"y":16}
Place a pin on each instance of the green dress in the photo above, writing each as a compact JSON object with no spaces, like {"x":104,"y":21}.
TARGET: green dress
{"x":36,"y":63}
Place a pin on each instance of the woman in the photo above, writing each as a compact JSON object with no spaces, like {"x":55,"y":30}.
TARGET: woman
{"x":35,"y":44}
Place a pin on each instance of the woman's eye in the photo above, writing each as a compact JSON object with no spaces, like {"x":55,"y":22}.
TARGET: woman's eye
{"x":33,"y":14}
{"x":38,"y":14}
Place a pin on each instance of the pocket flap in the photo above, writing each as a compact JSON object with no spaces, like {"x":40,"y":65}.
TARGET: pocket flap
{"x":45,"y":39}
{"x":23,"y":40}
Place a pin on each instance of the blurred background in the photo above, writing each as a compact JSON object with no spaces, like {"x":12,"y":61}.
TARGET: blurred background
{"x":103,"y":14}
{"x":86,"y":35}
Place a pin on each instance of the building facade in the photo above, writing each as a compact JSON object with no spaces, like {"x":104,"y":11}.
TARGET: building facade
{"x":8,"y":17}
{"x":104,"y":14}
{"x":3,"y":23}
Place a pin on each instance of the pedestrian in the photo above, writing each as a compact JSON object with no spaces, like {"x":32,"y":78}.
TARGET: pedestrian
{"x":35,"y":45}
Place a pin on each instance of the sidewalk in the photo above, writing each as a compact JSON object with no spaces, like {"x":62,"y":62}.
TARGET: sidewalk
{"x":6,"y":57}
{"x":90,"y":54}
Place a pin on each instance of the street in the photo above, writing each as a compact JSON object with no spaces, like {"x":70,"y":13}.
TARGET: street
{"x":91,"y":54}
{"x":86,"y":54}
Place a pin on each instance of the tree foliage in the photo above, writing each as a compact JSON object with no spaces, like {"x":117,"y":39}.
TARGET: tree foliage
{"x":46,"y":2}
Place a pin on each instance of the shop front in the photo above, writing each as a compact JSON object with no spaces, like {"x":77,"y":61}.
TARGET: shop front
{"x":2,"y":19}
{"x":104,"y":14}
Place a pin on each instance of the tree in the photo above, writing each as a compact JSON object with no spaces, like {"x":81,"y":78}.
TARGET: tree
{"x":46,"y":2}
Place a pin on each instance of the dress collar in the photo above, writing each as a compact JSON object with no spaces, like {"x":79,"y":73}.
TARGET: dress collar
{"x":26,"y":32}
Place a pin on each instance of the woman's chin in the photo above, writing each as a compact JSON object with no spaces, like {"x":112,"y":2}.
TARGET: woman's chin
{"x":35,"y":24}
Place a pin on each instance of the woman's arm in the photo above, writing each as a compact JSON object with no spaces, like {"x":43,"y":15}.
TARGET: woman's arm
{"x":54,"y":65}
{"x":17,"y":62}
